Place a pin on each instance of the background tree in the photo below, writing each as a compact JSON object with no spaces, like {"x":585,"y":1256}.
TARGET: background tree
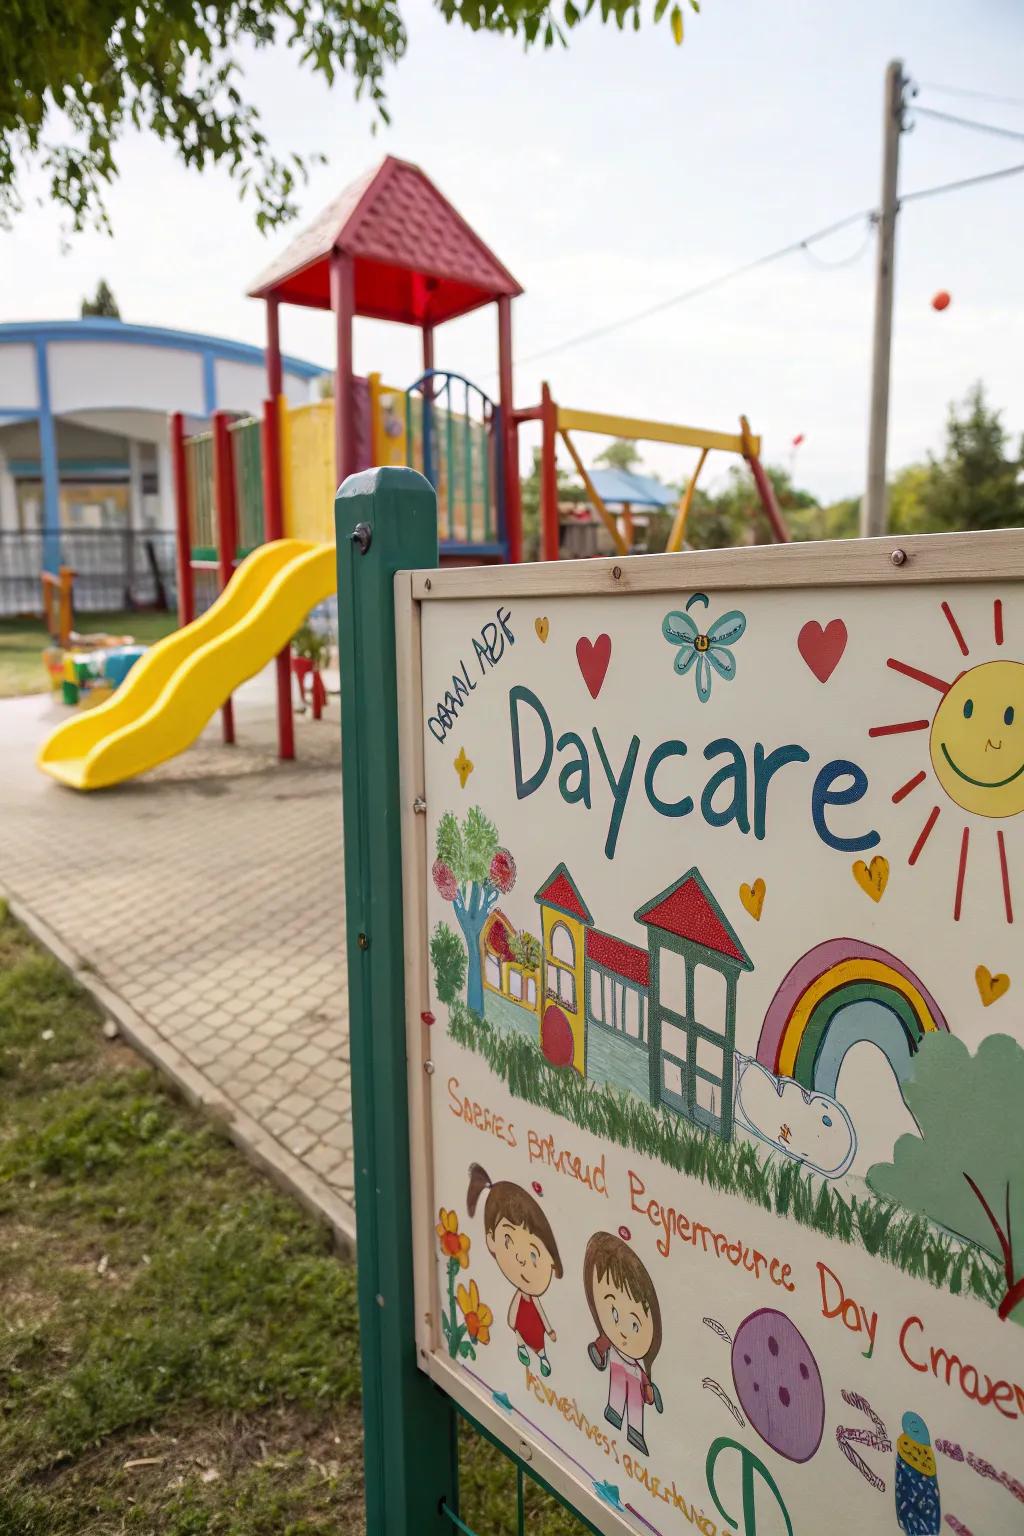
{"x":568,"y":492}
{"x":472,"y":871}
{"x":623,"y":454}
{"x":964,"y":1171}
{"x":77,"y":74}
{"x":102,"y":303}
{"x":448,"y":957}
{"x":976,"y":483}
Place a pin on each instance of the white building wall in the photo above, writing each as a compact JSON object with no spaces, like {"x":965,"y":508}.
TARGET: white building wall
{"x":8,"y":496}
{"x":92,"y":375}
{"x":18,"y":383}
{"x":240,"y":386}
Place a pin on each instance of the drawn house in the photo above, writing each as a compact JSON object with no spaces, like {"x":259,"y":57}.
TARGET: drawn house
{"x":695,"y":962}
{"x":506,"y":980}
{"x":617,"y":1006}
{"x":565,"y":919}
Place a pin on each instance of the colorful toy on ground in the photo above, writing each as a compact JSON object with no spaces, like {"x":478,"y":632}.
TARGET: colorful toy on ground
{"x":92,"y":675}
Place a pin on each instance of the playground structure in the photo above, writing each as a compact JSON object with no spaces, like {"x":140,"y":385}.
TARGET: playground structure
{"x":254,"y":496}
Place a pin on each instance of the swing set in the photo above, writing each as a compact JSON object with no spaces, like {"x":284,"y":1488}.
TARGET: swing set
{"x":559,"y":421}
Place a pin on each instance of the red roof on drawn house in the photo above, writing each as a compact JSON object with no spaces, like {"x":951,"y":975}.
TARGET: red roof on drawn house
{"x":615,"y":955}
{"x":559,"y":891}
{"x":497,"y":916}
{"x":416,"y":259}
{"x":689,"y":911}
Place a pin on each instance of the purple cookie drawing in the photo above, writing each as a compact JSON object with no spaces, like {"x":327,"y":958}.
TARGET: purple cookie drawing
{"x":778,"y":1384}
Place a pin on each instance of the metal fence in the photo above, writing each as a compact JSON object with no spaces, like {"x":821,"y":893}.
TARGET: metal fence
{"x":114,"y":569}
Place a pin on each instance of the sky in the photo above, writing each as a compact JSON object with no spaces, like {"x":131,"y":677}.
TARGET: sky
{"x":615,"y":174}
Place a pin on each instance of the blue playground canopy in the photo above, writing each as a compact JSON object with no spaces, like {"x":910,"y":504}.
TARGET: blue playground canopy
{"x":622,"y":487}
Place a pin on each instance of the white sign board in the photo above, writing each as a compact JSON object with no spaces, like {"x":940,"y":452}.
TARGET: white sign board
{"x":716,"y":1045}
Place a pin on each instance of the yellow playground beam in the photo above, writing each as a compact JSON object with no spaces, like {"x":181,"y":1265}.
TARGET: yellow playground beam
{"x":655,"y":431}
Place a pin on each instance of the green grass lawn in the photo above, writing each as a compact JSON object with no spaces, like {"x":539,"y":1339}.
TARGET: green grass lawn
{"x":178,"y":1342}
{"x":22,"y":642}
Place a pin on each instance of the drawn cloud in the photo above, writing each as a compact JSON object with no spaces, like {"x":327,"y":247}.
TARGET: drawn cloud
{"x":811,"y":1128}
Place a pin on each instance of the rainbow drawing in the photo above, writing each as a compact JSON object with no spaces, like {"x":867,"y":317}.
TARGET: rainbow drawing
{"x":840,"y":993}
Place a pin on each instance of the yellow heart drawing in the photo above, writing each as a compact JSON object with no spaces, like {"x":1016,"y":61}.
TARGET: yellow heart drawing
{"x":542,"y":626}
{"x":991,"y":988}
{"x":874,"y":877}
{"x":752,"y":897}
{"x":463,"y":767}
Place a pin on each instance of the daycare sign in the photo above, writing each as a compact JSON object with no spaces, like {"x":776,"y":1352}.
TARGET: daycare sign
{"x":726,"y":1052}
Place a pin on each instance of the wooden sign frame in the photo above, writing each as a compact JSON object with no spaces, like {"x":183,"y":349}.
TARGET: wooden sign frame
{"x":887,"y":563}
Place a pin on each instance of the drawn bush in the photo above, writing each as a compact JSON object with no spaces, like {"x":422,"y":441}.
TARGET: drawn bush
{"x":448,"y":957}
{"x":964,"y":1170}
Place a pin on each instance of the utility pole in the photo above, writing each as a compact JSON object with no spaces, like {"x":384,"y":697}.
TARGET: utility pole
{"x":874,"y":510}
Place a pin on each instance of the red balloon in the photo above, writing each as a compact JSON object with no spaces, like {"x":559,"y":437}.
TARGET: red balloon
{"x":942,"y":300}
{"x":798,"y":440}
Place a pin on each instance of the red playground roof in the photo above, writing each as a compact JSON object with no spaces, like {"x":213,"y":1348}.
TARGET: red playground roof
{"x":559,"y":891}
{"x":416,"y":260}
{"x":689,"y":911}
{"x":615,"y":955}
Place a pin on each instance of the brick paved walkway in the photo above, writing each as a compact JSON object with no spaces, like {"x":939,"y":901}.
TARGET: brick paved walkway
{"x":207,"y":897}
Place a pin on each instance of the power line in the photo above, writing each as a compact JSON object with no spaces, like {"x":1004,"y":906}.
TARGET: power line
{"x":956,"y":90}
{"x":870,"y":214}
{"x":968,"y":181}
{"x":700,"y":288}
{"x":969,"y":122}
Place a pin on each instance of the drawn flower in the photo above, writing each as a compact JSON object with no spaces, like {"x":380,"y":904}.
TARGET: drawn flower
{"x":454,"y":1244}
{"x":502,"y":873}
{"x":477,"y":1313}
{"x":704,"y":651}
{"x":445,"y":882}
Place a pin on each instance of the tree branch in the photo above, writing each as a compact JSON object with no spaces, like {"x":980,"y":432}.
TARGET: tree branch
{"x":1003,"y":1239}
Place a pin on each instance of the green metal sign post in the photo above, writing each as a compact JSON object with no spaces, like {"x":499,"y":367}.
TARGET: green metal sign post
{"x":386,"y":520}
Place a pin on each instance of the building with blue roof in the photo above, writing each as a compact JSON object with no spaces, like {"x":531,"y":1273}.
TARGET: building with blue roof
{"x":84,"y":411}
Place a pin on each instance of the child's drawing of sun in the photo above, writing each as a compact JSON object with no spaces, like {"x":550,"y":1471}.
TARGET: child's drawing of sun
{"x":975,"y":747}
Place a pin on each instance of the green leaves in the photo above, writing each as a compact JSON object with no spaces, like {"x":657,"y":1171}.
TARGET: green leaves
{"x":98,"y":66}
{"x":448,"y":957}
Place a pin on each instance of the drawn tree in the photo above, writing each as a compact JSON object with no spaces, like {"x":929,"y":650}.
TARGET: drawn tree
{"x":526,"y":950}
{"x":965,"y":1170}
{"x":472,"y":871}
{"x":449,"y":961}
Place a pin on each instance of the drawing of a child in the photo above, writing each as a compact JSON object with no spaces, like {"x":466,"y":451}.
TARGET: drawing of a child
{"x":519,"y":1236}
{"x":624,"y":1306}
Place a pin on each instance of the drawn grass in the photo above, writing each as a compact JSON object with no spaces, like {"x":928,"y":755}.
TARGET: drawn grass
{"x":884,"y":1230}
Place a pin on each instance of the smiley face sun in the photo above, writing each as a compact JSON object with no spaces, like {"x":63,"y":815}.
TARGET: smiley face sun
{"x":975,"y":748}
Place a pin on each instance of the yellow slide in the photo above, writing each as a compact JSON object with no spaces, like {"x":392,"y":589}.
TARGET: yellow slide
{"x":172,"y":691}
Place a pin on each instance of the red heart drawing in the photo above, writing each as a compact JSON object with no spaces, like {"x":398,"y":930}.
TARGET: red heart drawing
{"x":822,"y":649}
{"x":593,"y":657}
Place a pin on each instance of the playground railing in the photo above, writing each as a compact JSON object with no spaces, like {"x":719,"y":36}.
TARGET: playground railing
{"x":453,"y":437}
{"x":246,"y":451}
{"x":307,"y":470}
{"x":202,"y":511}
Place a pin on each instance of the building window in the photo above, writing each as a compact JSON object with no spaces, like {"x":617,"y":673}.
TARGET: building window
{"x":709,"y":997}
{"x":672,"y":981}
{"x":531,"y":991}
{"x":618,"y":1005}
{"x":492,"y":971}
{"x":561,"y":945}
{"x":561,"y":967}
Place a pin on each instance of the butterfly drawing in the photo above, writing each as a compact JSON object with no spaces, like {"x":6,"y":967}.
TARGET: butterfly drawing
{"x":704,"y":652}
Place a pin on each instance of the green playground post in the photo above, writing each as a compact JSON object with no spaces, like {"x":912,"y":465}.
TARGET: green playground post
{"x":386,"y":521}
